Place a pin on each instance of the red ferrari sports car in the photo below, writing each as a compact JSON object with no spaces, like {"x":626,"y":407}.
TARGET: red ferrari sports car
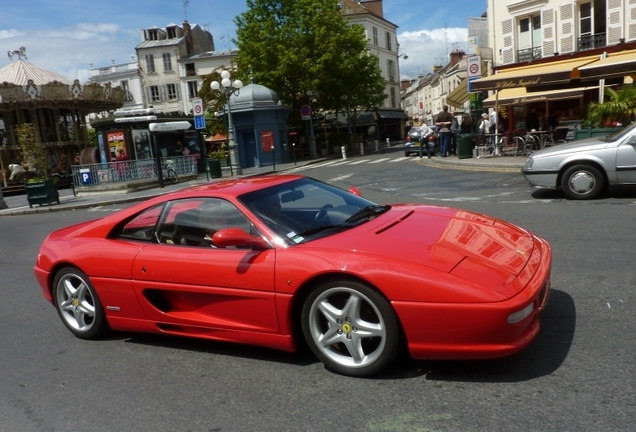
{"x":276,"y":260}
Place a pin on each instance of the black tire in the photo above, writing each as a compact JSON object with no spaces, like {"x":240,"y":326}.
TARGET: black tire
{"x":359,"y":322}
{"x":582,"y":182}
{"x":172,"y":176}
{"x":407,"y":153}
{"x":78,"y":305}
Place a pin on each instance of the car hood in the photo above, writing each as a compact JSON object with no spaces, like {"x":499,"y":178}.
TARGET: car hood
{"x":586,"y":145}
{"x":445,"y":239}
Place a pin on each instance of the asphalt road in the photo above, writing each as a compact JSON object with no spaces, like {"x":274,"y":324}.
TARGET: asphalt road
{"x":578,"y":375}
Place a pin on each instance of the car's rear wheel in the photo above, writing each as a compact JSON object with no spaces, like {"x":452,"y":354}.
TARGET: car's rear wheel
{"x":78,"y":305}
{"x":351,"y":328}
{"x":582,"y":182}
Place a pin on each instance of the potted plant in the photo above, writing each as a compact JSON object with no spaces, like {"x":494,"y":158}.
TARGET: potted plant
{"x":221,"y":154}
{"x":616,"y":110}
{"x":39,"y":190}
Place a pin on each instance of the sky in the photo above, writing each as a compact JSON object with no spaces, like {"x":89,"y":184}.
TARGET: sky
{"x":68,"y":36}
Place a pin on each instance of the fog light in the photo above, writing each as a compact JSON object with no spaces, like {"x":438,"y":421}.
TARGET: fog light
{"x":516,"y":317}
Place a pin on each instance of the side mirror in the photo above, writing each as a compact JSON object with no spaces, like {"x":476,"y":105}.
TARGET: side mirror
{"x":355,"y":191}
{"x":237,"y":237}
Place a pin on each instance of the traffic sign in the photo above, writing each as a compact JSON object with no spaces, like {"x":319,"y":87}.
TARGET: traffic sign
{"x":199,"y":122}
{"x":474,"y":66}
{"x":305,"y":112}
{"x":197,"y":107}
{"x":169,"y":126}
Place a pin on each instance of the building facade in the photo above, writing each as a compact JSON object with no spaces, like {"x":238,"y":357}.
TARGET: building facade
{"x":158,"y":55}
{"x":527,"y":30}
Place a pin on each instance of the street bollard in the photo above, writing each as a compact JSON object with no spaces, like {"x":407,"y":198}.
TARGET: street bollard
{"x":294,"y":146}
{"x":376,"y":144}
{"x":361,"y":148}
{"x":344,"y":152}
{"x":388,"y":143}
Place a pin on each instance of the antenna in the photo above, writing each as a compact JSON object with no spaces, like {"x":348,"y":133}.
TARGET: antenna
{"x":186,"y":3}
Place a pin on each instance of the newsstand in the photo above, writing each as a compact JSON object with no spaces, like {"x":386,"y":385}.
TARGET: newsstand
{"x":464,"y":146}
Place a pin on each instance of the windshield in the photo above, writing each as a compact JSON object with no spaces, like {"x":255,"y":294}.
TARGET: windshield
{"x":307,"y":209}
{"x":622,"y":133}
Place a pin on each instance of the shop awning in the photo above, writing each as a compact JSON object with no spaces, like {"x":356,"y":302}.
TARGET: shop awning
{"x":615,"y":65}
{"x":520,"y":96}
{"x":557,"y":72}
{"x":459,"y":95}
{"x":391,"y":114}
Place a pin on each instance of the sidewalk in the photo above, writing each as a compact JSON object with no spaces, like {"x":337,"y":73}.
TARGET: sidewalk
{"x":18,"y":204}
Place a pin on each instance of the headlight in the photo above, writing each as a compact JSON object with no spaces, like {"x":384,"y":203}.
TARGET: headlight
{"x":529,"y":163}
{"x":519,"y":316}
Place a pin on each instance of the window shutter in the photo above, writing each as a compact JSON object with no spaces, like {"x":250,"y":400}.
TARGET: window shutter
{"x":548,"y":45}
{"x":614,"y":21}
{"x":508,"y":50}
{"x":567,"y":27}
{"x":631,"y":20}
{"x":162,"y":93}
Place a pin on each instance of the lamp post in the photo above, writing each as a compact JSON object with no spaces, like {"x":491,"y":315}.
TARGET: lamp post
{"x":229,"y":87}
{"x":312,"y":137}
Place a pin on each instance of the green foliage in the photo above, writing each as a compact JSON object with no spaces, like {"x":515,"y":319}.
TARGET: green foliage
{"x":32,"y":150}
{"x":617,"y":105}
{"x":214,"y":102}
{"x":92,"y":137}
{"x":296,"y":46}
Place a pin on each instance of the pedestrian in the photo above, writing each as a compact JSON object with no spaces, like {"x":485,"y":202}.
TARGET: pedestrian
{"x":454,"y":129}
{"x":467,"y":124}
{"x":484,"y":128}
{"x":532,"y":120}
{"x":425,"y":137}
{"x":444,"y":121}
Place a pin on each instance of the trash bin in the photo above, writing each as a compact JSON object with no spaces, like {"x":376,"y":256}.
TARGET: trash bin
{"x":214,"y":167}
{"x":464,"y":146}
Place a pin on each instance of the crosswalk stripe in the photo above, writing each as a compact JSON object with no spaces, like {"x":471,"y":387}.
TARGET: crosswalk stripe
{"x":360,"y":161}
{"x":379,"y":160}
{"x":340,"y":163}
{"x":400,"y":159}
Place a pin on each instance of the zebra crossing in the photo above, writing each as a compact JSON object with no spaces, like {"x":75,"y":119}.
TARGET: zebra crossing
{"x":341,"y":162}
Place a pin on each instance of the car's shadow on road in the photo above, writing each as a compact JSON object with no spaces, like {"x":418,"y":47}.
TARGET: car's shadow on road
{"x":617,"y":193}
{"x":544,"y":355}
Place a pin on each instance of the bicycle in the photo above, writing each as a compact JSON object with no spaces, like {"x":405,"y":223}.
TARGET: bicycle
{"x":168,"y":172}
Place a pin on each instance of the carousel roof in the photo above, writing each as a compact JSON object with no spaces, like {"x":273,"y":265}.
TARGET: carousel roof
{"x":21,"y":71}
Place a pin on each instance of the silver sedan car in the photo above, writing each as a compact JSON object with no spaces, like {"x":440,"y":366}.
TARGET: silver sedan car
{"x":584,"y":169}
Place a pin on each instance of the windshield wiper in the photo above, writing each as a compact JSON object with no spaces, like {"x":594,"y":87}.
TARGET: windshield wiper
{"x":320,"y":228}
{"x":371,"y":210}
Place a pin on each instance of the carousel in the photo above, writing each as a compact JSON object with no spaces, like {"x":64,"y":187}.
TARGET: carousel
{"x":56,"y":107}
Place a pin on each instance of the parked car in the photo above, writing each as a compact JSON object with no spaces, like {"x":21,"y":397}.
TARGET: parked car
{"x":414,"y":139}
{"x":585,"y":168}
{"x":283,"y":260}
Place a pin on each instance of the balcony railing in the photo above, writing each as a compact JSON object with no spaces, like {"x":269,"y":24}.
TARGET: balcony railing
{"x":528,"y":54}
{"x":588,"y":42}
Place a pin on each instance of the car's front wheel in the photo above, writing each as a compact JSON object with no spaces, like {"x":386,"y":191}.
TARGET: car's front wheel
{"x":351,"y":328}
{"x":582,"y":182}
{"x":77,"y":304}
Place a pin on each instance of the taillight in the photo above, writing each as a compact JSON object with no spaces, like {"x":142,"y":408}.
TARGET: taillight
{"x":408,"y":139}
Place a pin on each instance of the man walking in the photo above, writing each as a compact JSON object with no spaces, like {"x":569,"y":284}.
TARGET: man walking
{"x":444,"y":120}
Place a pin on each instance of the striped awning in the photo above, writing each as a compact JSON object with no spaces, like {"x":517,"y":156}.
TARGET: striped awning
{"x":459,"y":95}
{"x":520,"y":96}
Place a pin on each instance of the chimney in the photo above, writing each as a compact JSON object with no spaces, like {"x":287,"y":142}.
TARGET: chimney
{"x":374,"y":6}
{"x":187,"y":32}
{"x":455,"y":57}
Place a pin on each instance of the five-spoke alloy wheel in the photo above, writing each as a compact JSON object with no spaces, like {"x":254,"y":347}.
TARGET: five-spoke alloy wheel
{"x":351,"y":328}
{"x":78,"y":305}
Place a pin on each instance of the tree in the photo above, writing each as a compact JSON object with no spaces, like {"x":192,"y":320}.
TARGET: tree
{"x":618,"y":106}
{"x":32,"y":151}
{"x":300,"y":46}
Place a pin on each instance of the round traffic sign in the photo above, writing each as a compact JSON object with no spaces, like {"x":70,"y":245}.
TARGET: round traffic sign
{"x":305,"y":110}
{"x":474,"y":68}
{"x":198,"y":109}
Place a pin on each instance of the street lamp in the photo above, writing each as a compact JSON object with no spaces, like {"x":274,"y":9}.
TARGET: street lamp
{"x":312,"y":137}
{"x":229,"y":87}
{"x":403,"y":55}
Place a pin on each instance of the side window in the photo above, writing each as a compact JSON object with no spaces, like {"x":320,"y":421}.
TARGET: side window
{"x":143,"y":226}
{"x":193,"y":222}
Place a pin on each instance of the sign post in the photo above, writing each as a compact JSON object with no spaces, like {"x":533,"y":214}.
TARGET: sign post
{"x":197,"y":111}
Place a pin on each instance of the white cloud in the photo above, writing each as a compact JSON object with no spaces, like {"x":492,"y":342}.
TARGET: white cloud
{"x":427,"y":48}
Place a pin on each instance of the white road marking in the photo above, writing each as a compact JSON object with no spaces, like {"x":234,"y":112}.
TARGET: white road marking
{"x":342,"y":177}
{"x":400,"y":159}
{"x":379,"y":160}
{"x":340,"y":163}
{"x":360,"y":161}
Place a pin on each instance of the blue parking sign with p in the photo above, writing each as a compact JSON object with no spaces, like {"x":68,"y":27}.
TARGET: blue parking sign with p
{"x":85,"y":176}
